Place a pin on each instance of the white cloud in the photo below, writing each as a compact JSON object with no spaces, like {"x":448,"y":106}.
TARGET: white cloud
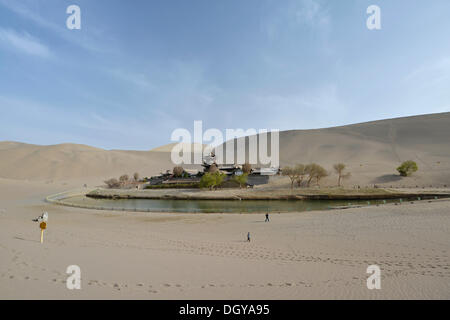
{"x":60,"y":29}
{"x":24,"y":43}
{"x":297,"y":14}
{"x":312,"y":13}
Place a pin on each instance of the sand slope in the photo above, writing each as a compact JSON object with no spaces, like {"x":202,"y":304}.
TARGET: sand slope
{"x":371,"y":150}
{"x":71,"y":161}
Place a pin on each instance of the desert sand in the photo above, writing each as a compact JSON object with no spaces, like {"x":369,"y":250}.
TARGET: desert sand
{"x":311,"y":255}
{"x":124,"y":255}
{"x":372,"y":151}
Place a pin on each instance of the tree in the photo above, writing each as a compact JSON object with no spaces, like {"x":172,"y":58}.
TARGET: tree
{"x":290,"y":172}
{"x":112,"y":183}
{"x":320,"y":173}
{"x":220,"y":177}
{"x":124,"y":179}
{"x":407,"y":168}
{"x":136,"y":176}
{"x":212,"y":180}
{"x":339,"y":168}
{"x":315,"y":171}
{"x":247,"y":168}
{"x":207,"y":181}
{"x":300,"y":169}
{"x":310,"y":170}
{"x":241,"y":179}
{"x":178,"y":171}
{"x":296,"y":173}
{"x":213,"y":168}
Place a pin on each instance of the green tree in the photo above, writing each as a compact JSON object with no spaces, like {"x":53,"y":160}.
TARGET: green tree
{"x":339,"y":169}
{"x":407,"y":168}
{"x":212,"y":180}
{"x":220,"y":177}
{"x":241,"y":179}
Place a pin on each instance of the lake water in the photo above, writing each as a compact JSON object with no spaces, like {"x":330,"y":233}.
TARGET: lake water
{"x":215,"y":206}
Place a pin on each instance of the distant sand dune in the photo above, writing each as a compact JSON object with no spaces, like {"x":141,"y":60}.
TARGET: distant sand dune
{"x":371,"y":150}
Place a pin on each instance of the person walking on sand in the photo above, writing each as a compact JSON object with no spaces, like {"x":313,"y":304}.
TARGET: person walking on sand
{"x":248,"y":237}
{"x":267,"y":218}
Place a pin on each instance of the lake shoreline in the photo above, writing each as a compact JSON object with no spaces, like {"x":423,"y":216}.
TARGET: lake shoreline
{"x":283,"y":194}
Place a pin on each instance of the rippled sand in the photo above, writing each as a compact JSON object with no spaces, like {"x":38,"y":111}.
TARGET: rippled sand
{"x":190,"y":256}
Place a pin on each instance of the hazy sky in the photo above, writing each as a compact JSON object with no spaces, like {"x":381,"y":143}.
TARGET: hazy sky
{"x":139,"y":69}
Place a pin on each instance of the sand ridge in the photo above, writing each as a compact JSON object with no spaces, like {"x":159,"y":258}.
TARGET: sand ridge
{"x":371,"y":151}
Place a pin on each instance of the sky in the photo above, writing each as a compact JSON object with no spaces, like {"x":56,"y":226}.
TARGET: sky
{"x":137,"y":70}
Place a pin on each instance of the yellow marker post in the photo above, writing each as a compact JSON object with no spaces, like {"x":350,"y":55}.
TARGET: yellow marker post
{"x":43,"y":226}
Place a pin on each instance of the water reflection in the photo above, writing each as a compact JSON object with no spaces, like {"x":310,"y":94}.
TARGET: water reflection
{"x":216,"y":206}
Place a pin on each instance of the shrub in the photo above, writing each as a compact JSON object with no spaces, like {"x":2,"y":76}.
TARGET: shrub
{"x":241,"y":179}
{"x":407,"y":168}
{"x":136,"y":176}
{"x":247,"y":168}
{"x":178,"y":171}
{"x":212,"y":180}
{"x":112,"y":183}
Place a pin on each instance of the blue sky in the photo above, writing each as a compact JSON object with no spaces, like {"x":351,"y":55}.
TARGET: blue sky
{"x":139,"y":69}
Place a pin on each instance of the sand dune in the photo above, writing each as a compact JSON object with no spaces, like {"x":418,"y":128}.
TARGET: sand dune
{"x":371,"y":150}
{"x":319,"y":255}
{"x":70,"y":161}
{"x":169,"y":147}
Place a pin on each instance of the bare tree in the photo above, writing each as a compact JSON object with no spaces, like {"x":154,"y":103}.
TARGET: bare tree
{"x":247,"y":168}
{"x":310,"y":170}
{"x":178,"y":171}
{"x":213,"y":168}
{"x":339,"y":169}
{"x":315,"y":171}
{"x":292,"y":173}
{"x":320,"y":173}
{"x":301,"y":172}
{"x":112,"y":183}
{"x":124,"y":179}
